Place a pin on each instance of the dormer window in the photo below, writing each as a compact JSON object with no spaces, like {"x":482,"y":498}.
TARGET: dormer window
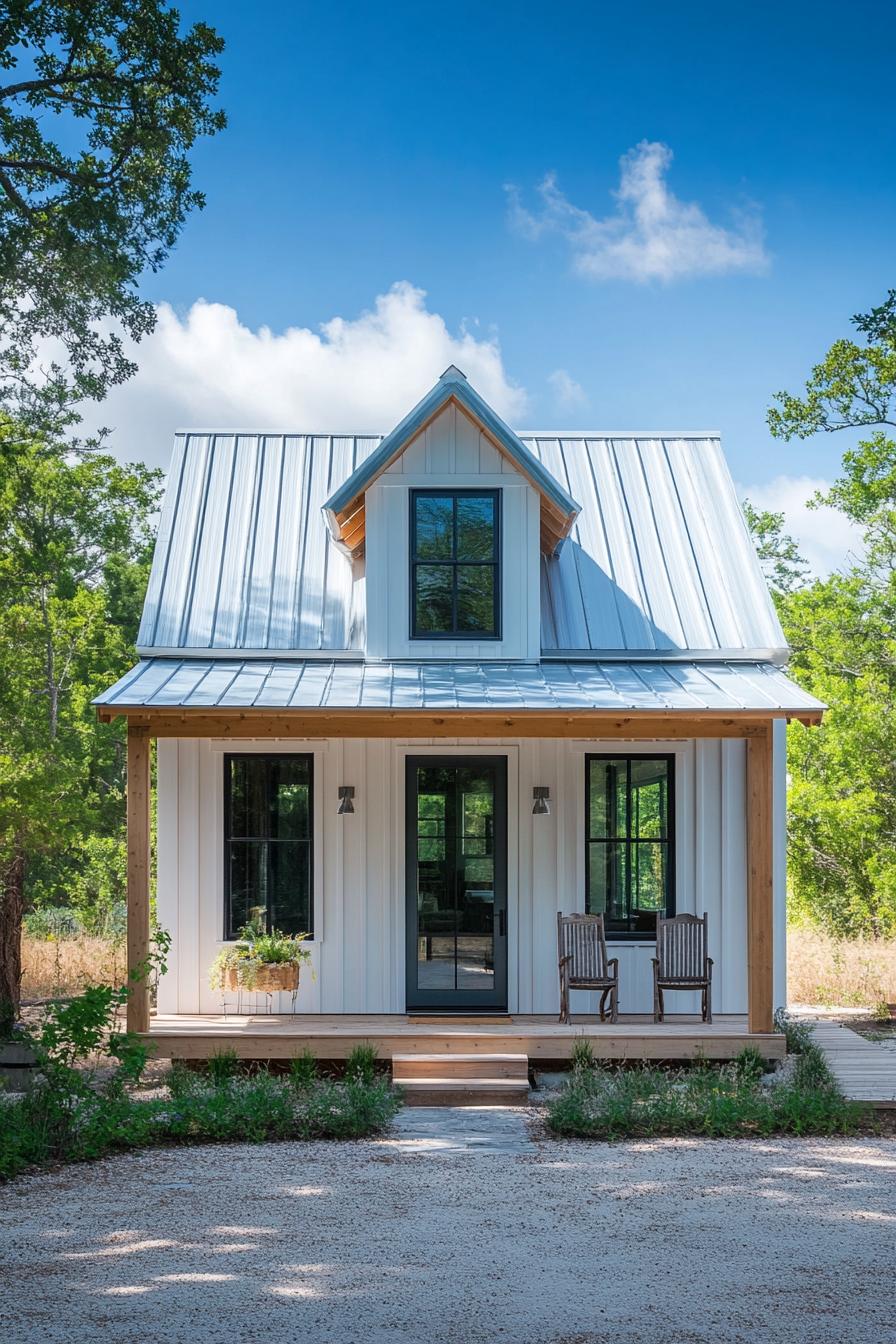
{"x":455,"y":564}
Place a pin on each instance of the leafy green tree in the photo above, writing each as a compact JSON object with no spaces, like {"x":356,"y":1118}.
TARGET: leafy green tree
{"x":783,"y":566}
{"x":842,"y":804}
{"x":75,"y":540}
{"x":101,"y":104}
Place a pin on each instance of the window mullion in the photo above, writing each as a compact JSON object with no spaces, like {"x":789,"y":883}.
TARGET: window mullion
{"x":454,"y":565}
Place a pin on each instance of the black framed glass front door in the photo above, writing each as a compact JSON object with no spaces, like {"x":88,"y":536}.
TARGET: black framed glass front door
{"x":456,"y":882}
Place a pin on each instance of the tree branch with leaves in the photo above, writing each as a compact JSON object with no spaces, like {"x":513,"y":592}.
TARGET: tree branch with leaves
{"x":102,"y":104}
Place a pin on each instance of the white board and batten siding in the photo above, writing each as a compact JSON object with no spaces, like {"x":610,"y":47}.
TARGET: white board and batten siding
{"x":359,"y":877}
{"x":454,"y":453}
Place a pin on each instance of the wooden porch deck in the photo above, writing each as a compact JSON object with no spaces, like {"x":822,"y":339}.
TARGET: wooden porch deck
{"x":332,"y":1036}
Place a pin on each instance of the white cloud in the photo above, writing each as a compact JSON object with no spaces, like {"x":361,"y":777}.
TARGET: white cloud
{"x":568,"y":394}
{"x":651,"y":234}
{"x":208,"y":370}
{"x":825,"y":537}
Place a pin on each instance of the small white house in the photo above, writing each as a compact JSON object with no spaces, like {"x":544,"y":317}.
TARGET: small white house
{"x":414,"y":695}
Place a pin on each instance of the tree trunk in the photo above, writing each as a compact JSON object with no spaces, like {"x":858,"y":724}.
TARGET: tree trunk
{"x":12,"y":904}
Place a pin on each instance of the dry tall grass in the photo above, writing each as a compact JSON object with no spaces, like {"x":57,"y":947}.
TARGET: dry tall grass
{"x":830,"y":972}
{"x":61,"y":966}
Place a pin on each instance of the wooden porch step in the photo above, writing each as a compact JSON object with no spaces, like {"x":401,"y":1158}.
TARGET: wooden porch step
{"x":407,"y":1067}
{"x":465,"y":1092}
{"x":462,"y":1080}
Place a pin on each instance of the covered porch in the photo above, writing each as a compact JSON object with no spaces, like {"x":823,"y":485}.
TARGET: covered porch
{"x":262,"y":1035}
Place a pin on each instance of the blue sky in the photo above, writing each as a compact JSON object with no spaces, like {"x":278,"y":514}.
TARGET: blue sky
{"x":372,"y":144}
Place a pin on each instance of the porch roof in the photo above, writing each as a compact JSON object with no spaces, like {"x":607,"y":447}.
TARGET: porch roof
{"x":311,"y":684}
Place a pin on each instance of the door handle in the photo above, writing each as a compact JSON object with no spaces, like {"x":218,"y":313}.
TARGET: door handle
{"x":502,"y":923}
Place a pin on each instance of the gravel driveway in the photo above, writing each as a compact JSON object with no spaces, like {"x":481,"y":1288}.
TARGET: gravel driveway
{"x":663,"y":1242}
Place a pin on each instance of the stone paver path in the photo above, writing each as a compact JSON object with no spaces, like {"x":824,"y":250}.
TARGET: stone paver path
{"x":460,"y":1129}
{"x":865,"y":1070}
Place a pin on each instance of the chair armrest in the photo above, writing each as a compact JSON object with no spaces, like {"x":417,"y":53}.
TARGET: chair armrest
{"x":656,"y":962}
{"x":564,"y":960}
{"x":614,"y":962}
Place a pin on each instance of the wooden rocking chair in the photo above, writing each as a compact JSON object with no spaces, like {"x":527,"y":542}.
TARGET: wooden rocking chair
{"x":681,"y":961}
{"x":582,"y":949}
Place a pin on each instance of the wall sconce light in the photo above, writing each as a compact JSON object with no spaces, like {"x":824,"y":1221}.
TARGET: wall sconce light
{"x":541,"y":807}
{"x":346,"y":794}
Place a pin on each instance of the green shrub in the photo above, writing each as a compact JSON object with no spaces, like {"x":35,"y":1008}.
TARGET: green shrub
{"x":718,"y":1101}
{"x":51,"y":921}
{"x":180,"y":1079}
{"x":797,"y":1034}
{"x":749,"y":1064}
{"x":361,"y":1063}
{"x":199,"y":1109}
{"x":222,"y":1066}
{"x":582,"y":1054}
{"x":303,"y":1070}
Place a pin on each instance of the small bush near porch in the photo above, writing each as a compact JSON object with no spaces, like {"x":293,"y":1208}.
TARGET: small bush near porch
{"x":86,"y":1100}
{"x":707,"y":1100}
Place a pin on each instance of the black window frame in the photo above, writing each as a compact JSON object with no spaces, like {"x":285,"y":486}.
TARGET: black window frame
{"x":632,"y":935}
{"x":496,"y":563}
{"x":267,"y":757}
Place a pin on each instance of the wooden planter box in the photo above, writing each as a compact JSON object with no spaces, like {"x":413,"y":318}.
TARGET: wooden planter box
{"x":270,"y":980}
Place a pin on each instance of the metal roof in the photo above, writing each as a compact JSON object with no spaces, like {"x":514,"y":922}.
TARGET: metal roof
{"x":452,"y":385}
{"x":659,"y":560}
{"x":197,"y":683}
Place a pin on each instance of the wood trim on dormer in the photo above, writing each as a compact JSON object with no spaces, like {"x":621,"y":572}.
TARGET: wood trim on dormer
{"x":345,"y":511}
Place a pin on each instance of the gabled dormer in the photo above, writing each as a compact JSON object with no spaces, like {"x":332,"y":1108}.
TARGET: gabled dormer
{"x":451,"y":515}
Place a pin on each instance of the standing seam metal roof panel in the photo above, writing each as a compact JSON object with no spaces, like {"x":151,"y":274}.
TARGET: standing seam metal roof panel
{"x":659,"y":559}
{"x":197,"y":683}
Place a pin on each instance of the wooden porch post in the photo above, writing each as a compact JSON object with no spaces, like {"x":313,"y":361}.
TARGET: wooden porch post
{"x":760,"y":912}
{"x":138,"y":872}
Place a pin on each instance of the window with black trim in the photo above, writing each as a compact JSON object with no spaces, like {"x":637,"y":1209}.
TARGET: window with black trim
{"x":455,"y":564}
{"x":629,"y":830}
{"x":268,"y":818}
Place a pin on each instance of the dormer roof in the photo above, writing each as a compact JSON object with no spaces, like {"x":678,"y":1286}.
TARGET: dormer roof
{"x":344,"y":509}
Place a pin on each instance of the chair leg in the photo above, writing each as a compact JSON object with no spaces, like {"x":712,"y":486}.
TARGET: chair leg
{"x":657,"y":1009}
{"x":564,"y":1003}
{"x":707,"y":1004}
{"x":614,"y":1004}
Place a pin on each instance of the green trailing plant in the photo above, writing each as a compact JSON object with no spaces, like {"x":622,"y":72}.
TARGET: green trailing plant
{"x":254,"y":949}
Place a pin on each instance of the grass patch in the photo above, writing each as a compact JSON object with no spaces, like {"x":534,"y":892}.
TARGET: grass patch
{"x":707,"y":1100}
{"x":221,"y":1105}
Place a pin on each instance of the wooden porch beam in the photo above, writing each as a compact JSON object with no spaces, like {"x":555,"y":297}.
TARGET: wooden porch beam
{"x":138,"y":789}
{"x":586,"y":724}
{"x":760,"y":885}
